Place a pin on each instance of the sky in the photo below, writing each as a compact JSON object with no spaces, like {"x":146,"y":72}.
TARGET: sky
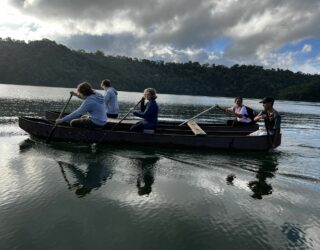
{"x":272,"y":33}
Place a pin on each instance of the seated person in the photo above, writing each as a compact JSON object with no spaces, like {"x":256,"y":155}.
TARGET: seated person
{"x":110,"y":99}
{"x":93,"y":104}
{"x":272,"y":120}
{"x":149,"y":112}
{"x":240,"y":111}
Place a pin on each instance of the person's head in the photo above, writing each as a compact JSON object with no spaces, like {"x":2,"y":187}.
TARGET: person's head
{"x":238,"y":101}
{"x":150,"y":94}
{"x":267,"y":102}
{"x":85,"y":89}
{"x":105,"y":84}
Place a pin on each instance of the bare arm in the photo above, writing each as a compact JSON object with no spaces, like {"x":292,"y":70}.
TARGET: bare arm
{"x":259,"y":117}
{"x":229,"y":111}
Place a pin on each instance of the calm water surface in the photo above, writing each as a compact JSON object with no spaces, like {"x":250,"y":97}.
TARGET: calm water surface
{"x":77,"y":196}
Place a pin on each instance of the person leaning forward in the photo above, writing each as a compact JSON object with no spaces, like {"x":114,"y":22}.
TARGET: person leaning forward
{"x":272,"y":120}
{"x":93,"y":103}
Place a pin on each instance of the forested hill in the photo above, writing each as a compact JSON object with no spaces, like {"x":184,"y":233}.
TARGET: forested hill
{"x":46,"y":63}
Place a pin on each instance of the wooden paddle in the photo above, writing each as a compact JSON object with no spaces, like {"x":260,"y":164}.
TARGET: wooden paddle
{"x":225,"y":110}
{"x":125,"y":115}
{"x":55,"y":126}
{"x":205,"y":111}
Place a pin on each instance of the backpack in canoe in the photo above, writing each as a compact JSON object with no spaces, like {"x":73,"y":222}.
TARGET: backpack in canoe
{"x":251,"y":113}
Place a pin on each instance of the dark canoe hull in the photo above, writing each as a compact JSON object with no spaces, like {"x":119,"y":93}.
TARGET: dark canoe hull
{"x":53,"y":115}
{"x":41,"y":129}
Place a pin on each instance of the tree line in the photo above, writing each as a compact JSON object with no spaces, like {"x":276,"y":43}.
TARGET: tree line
{"x":46,"y":63}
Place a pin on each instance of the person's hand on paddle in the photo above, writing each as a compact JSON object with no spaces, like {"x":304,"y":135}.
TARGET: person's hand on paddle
{"x":261,"y":117}
{"x":74,"y":94}
{"x":59,"y":121}
{"x":223,"y":109}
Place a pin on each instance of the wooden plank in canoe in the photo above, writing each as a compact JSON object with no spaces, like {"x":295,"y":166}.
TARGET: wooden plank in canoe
{"x":128,"y":121}
{"x":196,"y":128}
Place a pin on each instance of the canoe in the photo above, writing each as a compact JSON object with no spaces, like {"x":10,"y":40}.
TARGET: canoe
{"x":231,"y":140}
{"x":53,"y":115}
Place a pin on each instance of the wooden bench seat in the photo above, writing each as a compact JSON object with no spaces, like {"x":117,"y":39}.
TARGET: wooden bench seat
{"x":196,"y":128}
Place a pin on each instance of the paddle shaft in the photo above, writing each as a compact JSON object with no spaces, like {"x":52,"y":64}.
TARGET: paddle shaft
{"x":203,"y":112}
{"x":125,"y":116}
{"x":55,"y":126}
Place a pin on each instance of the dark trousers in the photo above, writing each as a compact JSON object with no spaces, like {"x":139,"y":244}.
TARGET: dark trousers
{"x":140,"y":126}
{"x":112,"y":115}
{"x":83,"y":123}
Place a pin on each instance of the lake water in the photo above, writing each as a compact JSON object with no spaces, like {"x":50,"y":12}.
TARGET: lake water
{"x":69,"y":196}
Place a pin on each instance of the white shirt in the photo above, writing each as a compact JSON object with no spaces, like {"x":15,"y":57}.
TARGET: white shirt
{"x":242,"y":111}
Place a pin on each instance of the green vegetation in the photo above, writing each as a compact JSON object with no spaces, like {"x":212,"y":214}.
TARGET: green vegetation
{"x":46,"y":63}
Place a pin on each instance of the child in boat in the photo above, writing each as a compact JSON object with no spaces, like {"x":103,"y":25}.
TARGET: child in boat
{"x":93,"y":104}
{"x":149,"y":112}
{"x":240,"y":111}
{"x":272,"y":120}
{"x":110,"y":99}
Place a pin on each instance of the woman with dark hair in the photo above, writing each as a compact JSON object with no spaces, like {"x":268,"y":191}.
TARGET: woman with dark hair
{"x":149,"y":112}
{"x":93,"y":104}
{"x":240,"y":111}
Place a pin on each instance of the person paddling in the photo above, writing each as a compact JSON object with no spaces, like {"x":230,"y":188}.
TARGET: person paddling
{"x":240,"y":111}
{"x":93,"y":104}
{"x":110,"y":99}
{"x":149,"y":112}
{"x":272,"y":120}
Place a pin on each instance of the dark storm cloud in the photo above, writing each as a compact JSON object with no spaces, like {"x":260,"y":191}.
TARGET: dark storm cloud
{"x":255,"y":27}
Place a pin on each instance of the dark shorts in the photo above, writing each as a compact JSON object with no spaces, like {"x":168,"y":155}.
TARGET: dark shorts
{"x":140,"y":126}
{"x":83,"y":123}
{"x":112,"y":115}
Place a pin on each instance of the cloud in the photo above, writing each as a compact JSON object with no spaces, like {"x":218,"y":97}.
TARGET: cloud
{"x":179,"y":30}
{"x":307,"y":48}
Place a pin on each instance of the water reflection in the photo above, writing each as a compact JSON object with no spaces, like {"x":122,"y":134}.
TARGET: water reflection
{"x":79,"y":178}
{"x":261,"y":187}
{"x":93,"y":177}
{"x":25,"y":145}
{"x":295,"y":235}
{"x":145,"y":178}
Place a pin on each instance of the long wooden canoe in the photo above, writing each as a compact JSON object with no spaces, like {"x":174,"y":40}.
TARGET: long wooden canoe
{"x":41,"y":128}
{"x":53,"y":115}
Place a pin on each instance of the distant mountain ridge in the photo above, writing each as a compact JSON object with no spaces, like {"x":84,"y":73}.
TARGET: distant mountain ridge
{"x":46,"y":63}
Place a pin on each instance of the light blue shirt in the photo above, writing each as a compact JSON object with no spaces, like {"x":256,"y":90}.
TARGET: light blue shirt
{"x":94,"y":105}
{"x":111,"y":101}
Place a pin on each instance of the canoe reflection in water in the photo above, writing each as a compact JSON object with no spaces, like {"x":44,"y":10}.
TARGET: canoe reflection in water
{"x":260,"y":187}
{"x":94,"y":177}
{"x":145,"y":178}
